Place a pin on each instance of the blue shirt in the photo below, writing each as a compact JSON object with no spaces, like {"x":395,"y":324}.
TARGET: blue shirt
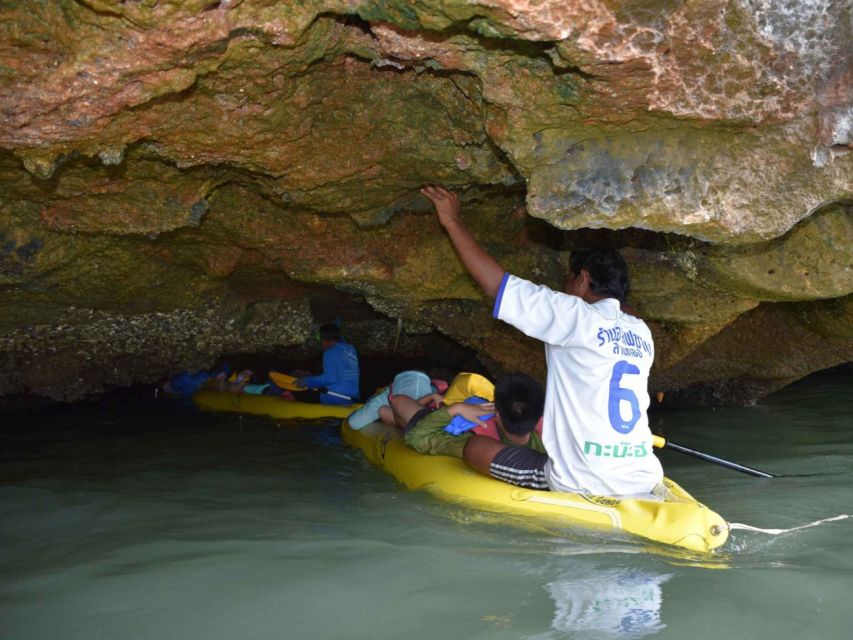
{"x":186,"y":384}
{"x":340,"y":374}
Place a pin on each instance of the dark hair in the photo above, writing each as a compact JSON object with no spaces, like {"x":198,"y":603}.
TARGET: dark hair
{"x":330,"y":331}
{"x":441,"y":373}
{"x":519,"y":400}
{"x":607,"y":271}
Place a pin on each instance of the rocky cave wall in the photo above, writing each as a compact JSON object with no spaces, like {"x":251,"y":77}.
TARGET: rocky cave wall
{"x":181,"y":180}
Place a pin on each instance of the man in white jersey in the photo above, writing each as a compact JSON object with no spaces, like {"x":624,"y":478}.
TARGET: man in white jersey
{"x":595,"y":428}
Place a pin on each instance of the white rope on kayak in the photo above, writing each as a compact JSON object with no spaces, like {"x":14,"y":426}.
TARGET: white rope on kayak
{"x":776,"y":532}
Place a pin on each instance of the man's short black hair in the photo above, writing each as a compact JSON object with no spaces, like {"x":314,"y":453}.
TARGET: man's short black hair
{"x":519,"y":400}
{"x":607,"y":271}
{"x":441,"y":373}
{"x":330,"y":331}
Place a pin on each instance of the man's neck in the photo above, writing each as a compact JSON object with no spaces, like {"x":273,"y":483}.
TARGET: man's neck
{"x":591,"y":298}
{"x":519,"y":440}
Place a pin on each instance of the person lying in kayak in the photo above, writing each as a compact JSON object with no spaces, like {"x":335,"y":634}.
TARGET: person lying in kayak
{"x":514,"y":414}
{"x":415,"y":384}
{"x":235,"y":383}
{"x":186,"y":383}
{"x":595,"y":427}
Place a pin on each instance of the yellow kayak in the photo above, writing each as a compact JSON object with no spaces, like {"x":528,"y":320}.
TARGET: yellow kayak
{"x":677,"y":520}
{"x":211,"y":400}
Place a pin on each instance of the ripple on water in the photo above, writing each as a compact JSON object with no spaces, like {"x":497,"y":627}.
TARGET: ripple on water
{"x":209,"y":526}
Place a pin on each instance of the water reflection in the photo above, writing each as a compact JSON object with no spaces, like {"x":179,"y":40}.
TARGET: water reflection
{"x":606,"y":603}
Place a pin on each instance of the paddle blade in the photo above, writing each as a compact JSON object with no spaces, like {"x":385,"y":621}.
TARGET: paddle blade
{"x":285,"y":381}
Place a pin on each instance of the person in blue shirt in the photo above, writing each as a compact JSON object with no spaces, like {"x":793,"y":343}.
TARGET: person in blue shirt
{"x":186,"y":383}
{"x":339,"y":382}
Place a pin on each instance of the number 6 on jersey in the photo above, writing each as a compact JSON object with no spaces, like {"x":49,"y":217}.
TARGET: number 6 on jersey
{"x":618,"y":395}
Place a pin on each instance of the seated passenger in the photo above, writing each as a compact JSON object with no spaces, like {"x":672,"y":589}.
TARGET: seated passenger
{"x":599,"y":356}
{"x":338,"y":383}
{"x":517,"y":409}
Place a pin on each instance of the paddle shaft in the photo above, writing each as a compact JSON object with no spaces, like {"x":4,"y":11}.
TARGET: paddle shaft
{"x":661,"y":442}
{"x":337,"y":395}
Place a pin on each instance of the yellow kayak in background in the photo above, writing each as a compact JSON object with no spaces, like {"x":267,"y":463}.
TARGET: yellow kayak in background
{"x":677,"y":520}
{"x":212,"y":400}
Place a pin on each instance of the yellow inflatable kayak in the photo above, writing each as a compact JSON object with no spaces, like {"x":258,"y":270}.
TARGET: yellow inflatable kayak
{"x":677,"y":520}
{"x":211,"y":400}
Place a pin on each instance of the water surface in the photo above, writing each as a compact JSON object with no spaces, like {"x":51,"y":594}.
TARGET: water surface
{"x":139,"y":521}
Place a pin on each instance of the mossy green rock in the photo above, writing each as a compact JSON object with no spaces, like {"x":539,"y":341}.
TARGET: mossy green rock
{"x":178,"y":164}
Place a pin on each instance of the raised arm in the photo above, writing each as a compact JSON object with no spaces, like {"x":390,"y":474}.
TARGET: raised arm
{"x":482,"y":266}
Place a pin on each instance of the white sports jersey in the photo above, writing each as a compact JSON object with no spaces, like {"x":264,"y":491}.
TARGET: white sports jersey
{"x":595,"y":428}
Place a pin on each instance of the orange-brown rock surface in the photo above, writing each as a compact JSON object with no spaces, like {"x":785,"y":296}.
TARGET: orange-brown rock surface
{"x":185,"y":179}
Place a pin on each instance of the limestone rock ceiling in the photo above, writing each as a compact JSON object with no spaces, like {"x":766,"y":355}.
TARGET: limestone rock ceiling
{"x":173,"y":171}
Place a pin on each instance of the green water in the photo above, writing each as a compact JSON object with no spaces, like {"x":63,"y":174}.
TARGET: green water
{"x":129,"y":521}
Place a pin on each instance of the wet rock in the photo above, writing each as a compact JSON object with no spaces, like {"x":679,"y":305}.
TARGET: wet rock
{"x":86,"y":351}
{"x":763,"y":350}
{"x":170,"y":164}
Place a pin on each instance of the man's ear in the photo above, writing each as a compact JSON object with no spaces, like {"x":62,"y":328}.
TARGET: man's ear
{"x":584,"y":281}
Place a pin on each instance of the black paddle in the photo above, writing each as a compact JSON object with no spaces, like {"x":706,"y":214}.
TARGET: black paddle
{"x":660,"y":442}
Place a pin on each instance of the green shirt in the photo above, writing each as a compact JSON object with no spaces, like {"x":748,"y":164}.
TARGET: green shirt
{"x":429,"y":437}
